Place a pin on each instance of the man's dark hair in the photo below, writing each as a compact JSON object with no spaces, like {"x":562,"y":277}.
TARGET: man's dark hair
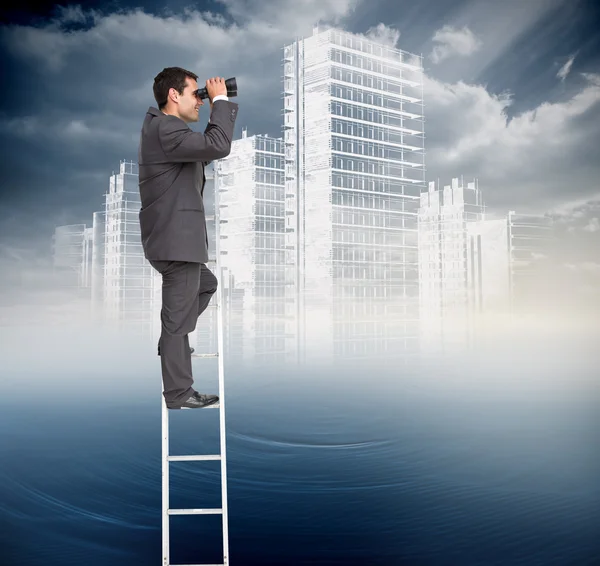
{"x":170,"y":77}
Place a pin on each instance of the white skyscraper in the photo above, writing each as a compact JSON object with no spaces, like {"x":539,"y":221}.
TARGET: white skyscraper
{"x":128,"y":277}
{"x":529,"y":238}
{"x":70,"y":254}
{"x":444,"y":217}
{"x":354,"y":168}
{"x":488,"y":264}
{"x":503,"y":256}
{"x":249,"y":197}
{"x":97,"y":269}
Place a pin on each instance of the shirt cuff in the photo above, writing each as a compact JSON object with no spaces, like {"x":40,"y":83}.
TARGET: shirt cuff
{"x":220,"y":97}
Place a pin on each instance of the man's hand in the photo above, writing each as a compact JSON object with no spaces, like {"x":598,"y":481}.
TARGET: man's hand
{"x":214,"y":87}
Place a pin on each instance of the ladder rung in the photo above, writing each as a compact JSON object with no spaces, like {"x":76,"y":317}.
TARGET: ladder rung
{"x":215,"y":355}
{"x":195,"y":511}
{"x":193,"y":457}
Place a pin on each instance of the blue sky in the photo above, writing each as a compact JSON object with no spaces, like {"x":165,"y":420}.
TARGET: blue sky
{"x":512,"y":96}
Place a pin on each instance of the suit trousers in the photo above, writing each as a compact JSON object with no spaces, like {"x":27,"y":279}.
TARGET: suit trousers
{"x":187,"y":288}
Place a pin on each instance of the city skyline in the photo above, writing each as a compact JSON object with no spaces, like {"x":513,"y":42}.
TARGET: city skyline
{"x":329,"y":237}
{"x":578,"y":216}
{"x":80,"y":251}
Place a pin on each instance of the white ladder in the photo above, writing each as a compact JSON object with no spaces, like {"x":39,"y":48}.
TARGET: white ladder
{"x":167,"y":458}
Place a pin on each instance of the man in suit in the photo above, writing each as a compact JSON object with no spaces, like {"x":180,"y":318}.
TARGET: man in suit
{"x":171,"y":159}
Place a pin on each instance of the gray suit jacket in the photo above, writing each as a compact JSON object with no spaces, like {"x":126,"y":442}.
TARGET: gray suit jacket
{"x":171,"y":161}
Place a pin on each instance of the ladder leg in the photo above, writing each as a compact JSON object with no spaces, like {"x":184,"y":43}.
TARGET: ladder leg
{"x":165,"y":483}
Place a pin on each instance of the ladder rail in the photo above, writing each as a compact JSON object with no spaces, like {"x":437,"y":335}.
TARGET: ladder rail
{"x":221,"y":363}
{"x":222,"y":429}
{"x":165,"y":482}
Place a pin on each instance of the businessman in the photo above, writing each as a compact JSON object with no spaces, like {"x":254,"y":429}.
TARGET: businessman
{"x":172,"y":159}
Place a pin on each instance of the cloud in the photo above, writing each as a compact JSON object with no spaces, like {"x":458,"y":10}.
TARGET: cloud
{"x":73,"y":14}
{"x":508,"y":36}
{"x":564,"y":71}
{"x":383,"y":34}
{"x":592,"y":226}
{"x":20,"y":126}
{"x":93,"y":131}
{"x":128,"y":48}
{"x":53,"y":47}
{"x":593,"y":78}
{"x":191,"y":35}
{"x":533,"y":160}
{"x":569,"y":210}
{"x":453,"y":42}
{"x":289,"y":13}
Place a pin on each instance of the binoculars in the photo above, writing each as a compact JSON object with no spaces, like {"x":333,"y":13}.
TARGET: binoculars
{"x":230,"y":84}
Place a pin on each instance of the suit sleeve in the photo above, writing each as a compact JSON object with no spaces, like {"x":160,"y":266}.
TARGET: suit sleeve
{"x":207,"y":163}
{"x":181,"y":144}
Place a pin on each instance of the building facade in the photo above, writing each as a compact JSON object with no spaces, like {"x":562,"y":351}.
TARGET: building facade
{"x":505,"y":255}
{"x":444,"y":276}
{"x":128,"y":277}
{"x":530,"y":237}
{"x":489,"y":267}
{"x":97,"y":268}
{"x":71,"y":256}
{"x":354,"y":169}
{"x":250,"y":205}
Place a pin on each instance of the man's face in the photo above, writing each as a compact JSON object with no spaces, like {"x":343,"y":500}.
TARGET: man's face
{"x":189,"y":103}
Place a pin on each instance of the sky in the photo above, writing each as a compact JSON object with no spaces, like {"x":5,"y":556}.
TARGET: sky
{"x":512,"y":98}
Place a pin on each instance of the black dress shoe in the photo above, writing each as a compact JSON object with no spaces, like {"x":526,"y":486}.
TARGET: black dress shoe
{"x":191,"y":351}
{"x":197,"y":401}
